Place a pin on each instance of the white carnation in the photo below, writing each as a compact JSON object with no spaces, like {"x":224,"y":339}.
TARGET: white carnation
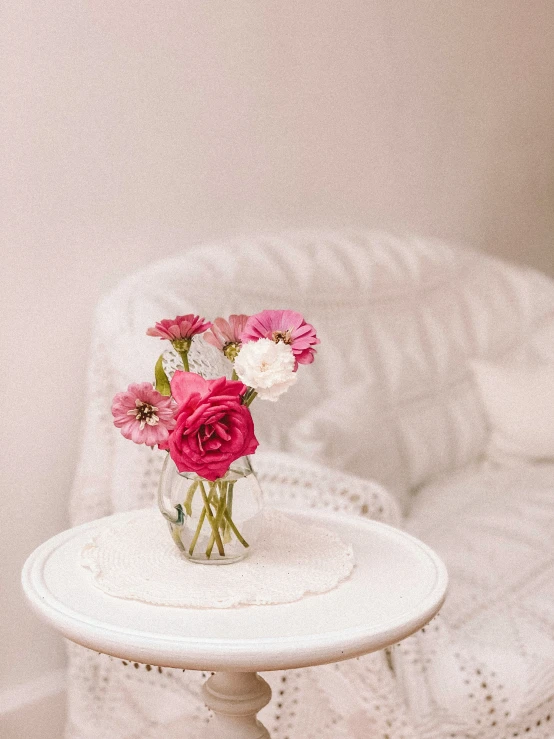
{"x":267,"y":367}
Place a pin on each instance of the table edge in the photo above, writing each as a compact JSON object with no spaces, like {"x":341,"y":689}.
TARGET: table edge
{"x":255,"y":654}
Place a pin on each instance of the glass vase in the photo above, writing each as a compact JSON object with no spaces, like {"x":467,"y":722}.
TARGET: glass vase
{"x":212,"y":522}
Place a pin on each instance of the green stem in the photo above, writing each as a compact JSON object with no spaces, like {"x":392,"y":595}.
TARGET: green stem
{"x":187,"y":505}
{"x":234,"y":376}
{"x":235,"y":530}
{"x":250,"y":397}
{"x":227,"y":528}
{"x":185,"y":357}
{"x":223,"y":486}
{"x":218,"y":517}
{"x":197,"y":532}
{"x":212,"y":495}
{"x":211,"y":520}
{"x":230,"y":498}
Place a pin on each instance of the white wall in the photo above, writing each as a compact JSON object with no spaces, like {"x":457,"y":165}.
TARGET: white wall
{"x":131,"y":129}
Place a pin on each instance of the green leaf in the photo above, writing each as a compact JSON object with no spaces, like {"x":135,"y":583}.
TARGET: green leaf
{"x":162,"y":383}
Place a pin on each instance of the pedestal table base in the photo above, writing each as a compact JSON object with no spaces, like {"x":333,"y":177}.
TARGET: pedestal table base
{"x":235,"y":698}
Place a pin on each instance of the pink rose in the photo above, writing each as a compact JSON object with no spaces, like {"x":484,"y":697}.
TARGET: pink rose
{"x":212,"y":427}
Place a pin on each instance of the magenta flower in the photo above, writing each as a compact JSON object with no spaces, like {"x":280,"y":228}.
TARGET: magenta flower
{"x":225,"y":335}
{"x":213,"y":427}
{"x":143,"y":415}
{"x":286,"y":326}
{"x":180,"y":329}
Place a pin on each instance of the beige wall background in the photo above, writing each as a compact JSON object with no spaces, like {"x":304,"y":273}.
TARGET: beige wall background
{"x":132,"y":129}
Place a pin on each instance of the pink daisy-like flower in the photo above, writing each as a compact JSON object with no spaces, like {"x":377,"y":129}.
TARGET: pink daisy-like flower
{"x":225,"y":335}
{"x":286,"y":326}
{"x":180,"y":330}
{"x":143,"y":415}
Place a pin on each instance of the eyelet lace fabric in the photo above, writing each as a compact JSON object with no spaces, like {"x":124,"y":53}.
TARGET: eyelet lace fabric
{"x":393,"y":400}
{"x":290,"y":561}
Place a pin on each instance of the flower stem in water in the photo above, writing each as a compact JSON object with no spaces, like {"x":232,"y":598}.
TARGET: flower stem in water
{"x":197,"y":532}
{"x":218,"y":517}
{"x":187,"y":505}
{"x":235,"y":530}
{"x":211,"y":519}
{"x":226,"y":527}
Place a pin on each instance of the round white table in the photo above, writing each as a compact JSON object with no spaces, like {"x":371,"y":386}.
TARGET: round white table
{"x":397,"y":586}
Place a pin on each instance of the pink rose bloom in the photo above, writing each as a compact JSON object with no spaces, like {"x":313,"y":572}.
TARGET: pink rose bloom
{"x":143,"y":415}
{"x":213,"y":428}
{"x":225,"y":335}
{"x":181,"y":327}
{"x":286,"y":326}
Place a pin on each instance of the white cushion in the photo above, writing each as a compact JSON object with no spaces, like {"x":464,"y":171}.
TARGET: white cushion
{"x":519,"y":400}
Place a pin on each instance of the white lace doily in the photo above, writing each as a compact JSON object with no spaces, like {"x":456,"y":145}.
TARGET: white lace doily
{"x":136,"y":559}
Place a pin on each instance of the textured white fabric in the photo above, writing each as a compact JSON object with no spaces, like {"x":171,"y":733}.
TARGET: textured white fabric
{"x":519,"y":400}
{"x":390,"y":396}
{"x":398,"y":320}
{"x":289,"y":561}
{"x":485,"y":668}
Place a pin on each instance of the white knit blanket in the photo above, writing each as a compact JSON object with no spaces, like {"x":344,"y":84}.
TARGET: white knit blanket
{"x":399,"y":321}
{"x":483,"y":669}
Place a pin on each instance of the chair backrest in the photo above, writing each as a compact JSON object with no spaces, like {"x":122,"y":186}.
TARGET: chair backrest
{"x":390,"y":395}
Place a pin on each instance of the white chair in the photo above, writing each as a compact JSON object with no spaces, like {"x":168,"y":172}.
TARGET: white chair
{"x":390,"y":398}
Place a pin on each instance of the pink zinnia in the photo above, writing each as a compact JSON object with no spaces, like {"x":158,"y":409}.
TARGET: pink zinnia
{"x":143,"y":415}
{"x":286,"y":326}
{"x":225,"y":335}
{"x":179,"y":328}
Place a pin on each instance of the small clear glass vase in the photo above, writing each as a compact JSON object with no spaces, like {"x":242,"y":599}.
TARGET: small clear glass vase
{"x":212,"y":522}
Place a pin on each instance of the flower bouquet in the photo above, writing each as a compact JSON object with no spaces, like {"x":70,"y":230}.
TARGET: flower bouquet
{"x":208,"y":491}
